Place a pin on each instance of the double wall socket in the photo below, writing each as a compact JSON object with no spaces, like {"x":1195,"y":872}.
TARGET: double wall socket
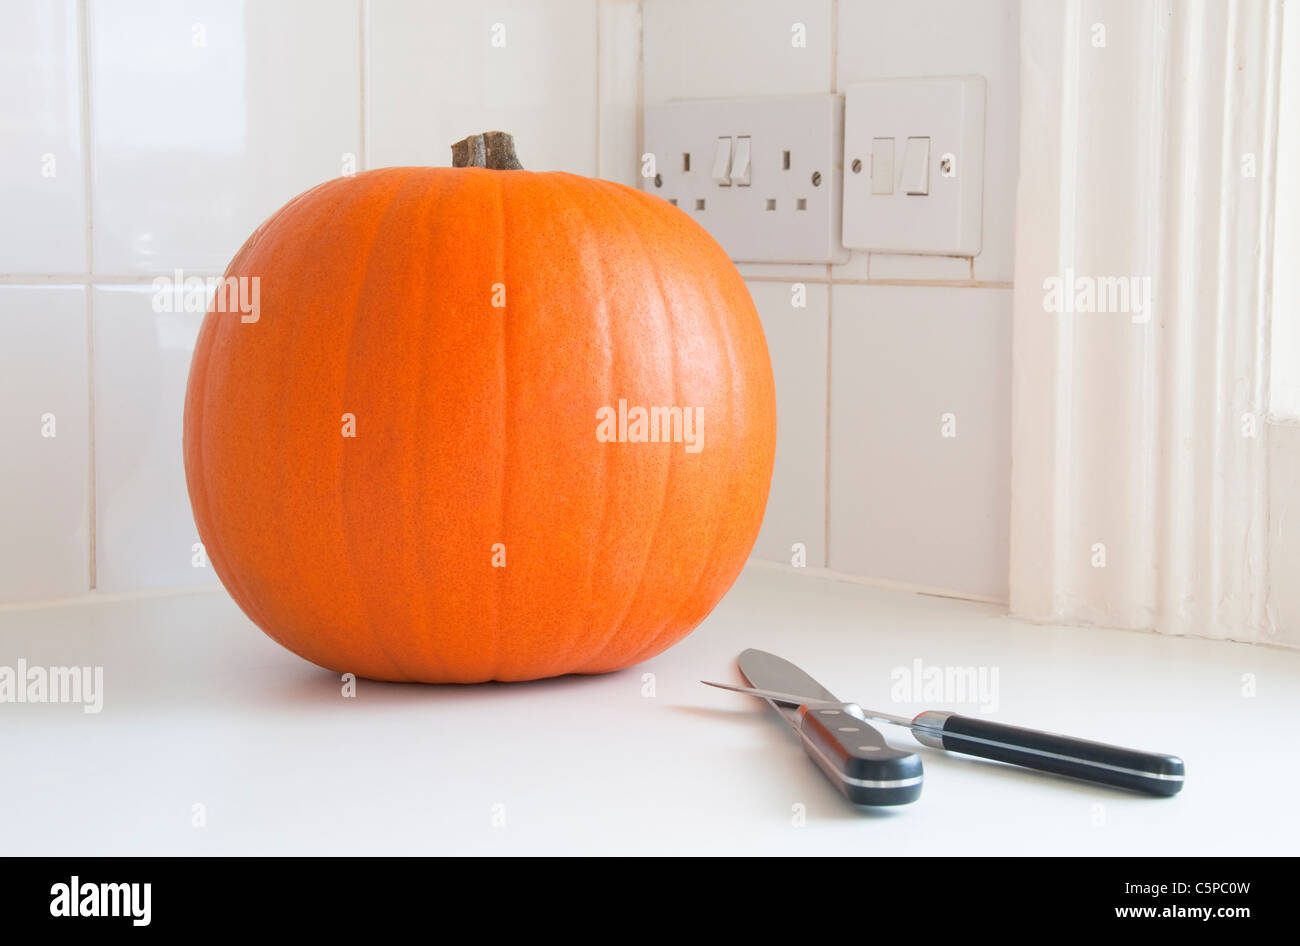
{"x":762,"y":175}
{"x":914,"y":165}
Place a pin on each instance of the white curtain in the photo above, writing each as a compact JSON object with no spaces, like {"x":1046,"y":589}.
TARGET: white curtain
{"x":1139,"y":454}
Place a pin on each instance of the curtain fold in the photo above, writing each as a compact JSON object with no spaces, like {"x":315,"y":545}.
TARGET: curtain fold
{"x":1143,"y":233}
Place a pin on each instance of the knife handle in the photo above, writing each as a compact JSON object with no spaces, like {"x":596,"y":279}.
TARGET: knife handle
{"x":856,"y":758}
{"x":1150,"y":772}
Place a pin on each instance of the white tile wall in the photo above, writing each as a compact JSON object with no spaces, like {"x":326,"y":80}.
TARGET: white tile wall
{"x":207,"y":115}
{"x":717,"y":49}
{"x":42,"y":187}
{"x":44,"y":443}
{"x":795,"y":322}
{"x":620,"y":90}
{"x":204,"y":116}
{"x":906,"y":502}
{"x":438,"y":72}
{"x":144,"y":530}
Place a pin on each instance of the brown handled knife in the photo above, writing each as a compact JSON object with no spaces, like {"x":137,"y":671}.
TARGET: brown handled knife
{"x":849,"y":751}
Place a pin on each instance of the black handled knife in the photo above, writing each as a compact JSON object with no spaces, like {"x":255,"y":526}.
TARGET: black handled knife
{"x":851,"y":752}
{"x":1154,"y":773}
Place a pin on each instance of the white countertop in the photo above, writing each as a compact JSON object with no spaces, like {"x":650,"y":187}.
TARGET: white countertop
{"x":201,"y":708}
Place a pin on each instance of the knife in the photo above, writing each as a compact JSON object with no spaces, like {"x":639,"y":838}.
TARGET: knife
{"x":851,"y":753}
{"x":1150,"y":772}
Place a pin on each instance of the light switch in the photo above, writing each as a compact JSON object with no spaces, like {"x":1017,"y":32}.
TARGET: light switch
{"x":916,"y":166}
{"x":924,"y":137}
{"x":740,"y":162}
{"x":722,"y":163}
{"x":882,"y":165}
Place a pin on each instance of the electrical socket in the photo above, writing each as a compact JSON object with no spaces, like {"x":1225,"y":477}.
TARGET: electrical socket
{"x":789,"y":211}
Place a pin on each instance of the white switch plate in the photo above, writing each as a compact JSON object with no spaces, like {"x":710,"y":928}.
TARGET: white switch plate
{"x":950,"y":112}
{"x":781,"y":216}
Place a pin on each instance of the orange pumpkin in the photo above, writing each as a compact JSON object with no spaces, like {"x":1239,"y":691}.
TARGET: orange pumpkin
{"x":396,"y":462}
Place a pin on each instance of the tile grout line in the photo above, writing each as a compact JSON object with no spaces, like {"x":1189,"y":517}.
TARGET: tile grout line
{"x":844,"y":281}
{"x":826,"y":529}
{"x":100,"y":597}
{"x":871,"y":581}
{"x":835,"y":47}
{"x":830,"y":304}
{"x":600,"y":65}
{"x":81,"y":279}
{"x":147,"y":279}
{"x":363,"y":8}
{"x":87,"y":181}
{"x":640,"y":91}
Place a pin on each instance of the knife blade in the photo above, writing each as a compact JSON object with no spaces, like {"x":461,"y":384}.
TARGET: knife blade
{"x":849,"y":751}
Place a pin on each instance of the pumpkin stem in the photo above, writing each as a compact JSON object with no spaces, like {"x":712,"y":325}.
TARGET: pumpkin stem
{"x":492,"y":149}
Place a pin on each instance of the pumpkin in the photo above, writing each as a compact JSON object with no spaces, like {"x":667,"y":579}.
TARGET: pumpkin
{"x":429,"y":453}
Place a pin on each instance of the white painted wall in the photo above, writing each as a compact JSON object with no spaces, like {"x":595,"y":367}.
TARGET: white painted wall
{"x":137,"y":138}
